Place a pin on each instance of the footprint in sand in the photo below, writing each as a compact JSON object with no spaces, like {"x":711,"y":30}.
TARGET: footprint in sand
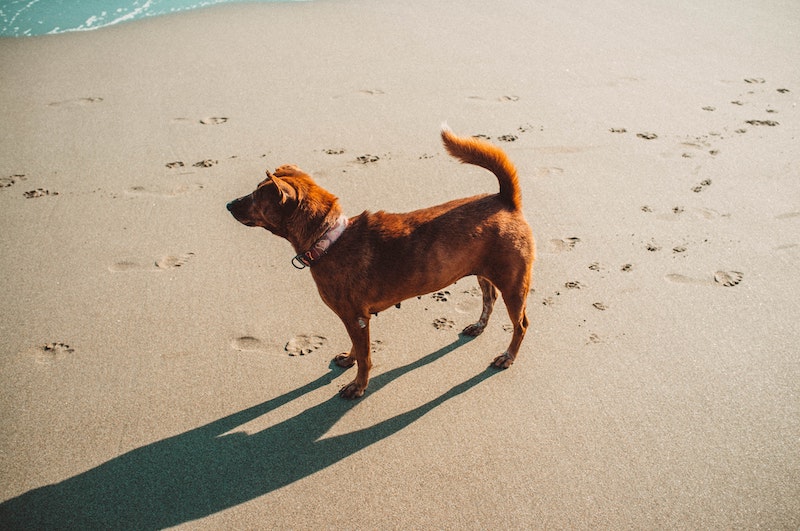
{"x":501,"y":99}
{"x":652,"y":246}
{"x":443,"y":323}
{"x":304,"y":344}
{"x":39,"y":192}
{"x":707,"y":213}
{"x":563,"y":245}
{"x":163,"y":263}
{"x":366,"y":159}
{"x":441,"y":296}
{"x":248,"y":344}
{"x":11,"y":180}
{"x":596,"y":266}
{"x":76,"y":101}
{"x":721,"y":278}
{"x":703,"y":184}
{"x":728,"y":278}
{"x":527,"y":128}
{"x":52,"y":352}
{"x":376,"y":346}
{"x":213,"y":120}
{"x":173,"y":261}
{"x":768,"y":123}
{"x":594,"y":339}
{"x":548,"y":171}
{"x":675,"y":212}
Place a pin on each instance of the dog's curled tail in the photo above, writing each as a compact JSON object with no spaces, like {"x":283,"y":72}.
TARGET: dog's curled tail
{"x":481,"y":153}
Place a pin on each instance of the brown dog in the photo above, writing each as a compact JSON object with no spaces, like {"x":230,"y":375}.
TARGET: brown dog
{"x":371,"y":262}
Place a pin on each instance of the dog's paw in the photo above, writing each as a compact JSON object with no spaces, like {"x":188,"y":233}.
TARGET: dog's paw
{"x":474,"y":330}
{"x":344,"y":360}
{"x":503,"y":361}
{"x":352,"y":390}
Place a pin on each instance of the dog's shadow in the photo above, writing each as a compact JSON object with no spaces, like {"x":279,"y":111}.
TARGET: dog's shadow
{"x":201,"y":472}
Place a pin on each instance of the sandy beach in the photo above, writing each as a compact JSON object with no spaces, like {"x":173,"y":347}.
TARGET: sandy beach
{"x":162,"y":365}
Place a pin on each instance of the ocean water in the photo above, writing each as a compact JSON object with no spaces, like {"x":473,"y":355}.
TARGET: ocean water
{"x":22,"y":18}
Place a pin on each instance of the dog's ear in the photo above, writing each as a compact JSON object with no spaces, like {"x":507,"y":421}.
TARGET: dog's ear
{"x":284,"y":190}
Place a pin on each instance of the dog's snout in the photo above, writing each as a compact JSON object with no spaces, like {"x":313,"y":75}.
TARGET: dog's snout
{"x":238,"y":209}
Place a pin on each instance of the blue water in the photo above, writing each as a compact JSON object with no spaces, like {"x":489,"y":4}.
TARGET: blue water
{"x":22,"y":18}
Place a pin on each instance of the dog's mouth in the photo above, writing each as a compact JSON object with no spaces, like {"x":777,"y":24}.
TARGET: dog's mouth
{"x":246,"y":222}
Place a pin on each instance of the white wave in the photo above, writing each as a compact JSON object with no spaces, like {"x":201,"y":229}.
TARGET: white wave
{"x":89,"y":25}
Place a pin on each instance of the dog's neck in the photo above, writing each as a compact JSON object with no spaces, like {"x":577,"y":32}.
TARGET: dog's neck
{"x":320,"y":247}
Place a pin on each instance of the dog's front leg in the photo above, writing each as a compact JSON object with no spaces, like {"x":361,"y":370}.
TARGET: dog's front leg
{"x":358,"y":329}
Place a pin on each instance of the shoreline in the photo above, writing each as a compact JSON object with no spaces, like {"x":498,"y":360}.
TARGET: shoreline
{"x":92,"y":20}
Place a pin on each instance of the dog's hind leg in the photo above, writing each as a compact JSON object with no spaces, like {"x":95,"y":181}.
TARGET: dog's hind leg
{"x":358,"y":329}
{"x":516,"y":301}
{"x":519,"y":319}
{"x":489,"y":296}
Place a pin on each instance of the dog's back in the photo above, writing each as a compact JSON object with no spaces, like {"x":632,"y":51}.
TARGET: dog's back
{"x":428,"y":249}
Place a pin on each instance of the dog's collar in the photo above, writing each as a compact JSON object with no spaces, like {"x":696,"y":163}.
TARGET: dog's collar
{"x":320,"y":248}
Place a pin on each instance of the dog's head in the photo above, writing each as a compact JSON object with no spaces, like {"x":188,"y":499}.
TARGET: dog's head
{"x":284,"y":203}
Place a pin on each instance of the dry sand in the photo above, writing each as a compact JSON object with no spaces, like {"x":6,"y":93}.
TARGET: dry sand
{"x":146,"y":370}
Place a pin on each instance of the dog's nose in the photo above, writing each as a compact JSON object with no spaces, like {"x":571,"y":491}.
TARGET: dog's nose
{"x":229,"y":206}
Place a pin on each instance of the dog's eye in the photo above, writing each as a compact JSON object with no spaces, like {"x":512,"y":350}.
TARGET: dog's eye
{"x":262,"y":191}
